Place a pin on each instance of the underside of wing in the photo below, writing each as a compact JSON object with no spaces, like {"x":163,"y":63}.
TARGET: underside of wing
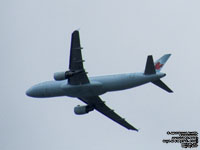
{"x":76,"y":62}
{"x":100,"y":106}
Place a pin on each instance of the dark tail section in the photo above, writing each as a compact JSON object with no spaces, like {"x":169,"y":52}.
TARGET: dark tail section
{"x":162,"y":85}
{"x":154,"y":68}
{"x":149,"y":69}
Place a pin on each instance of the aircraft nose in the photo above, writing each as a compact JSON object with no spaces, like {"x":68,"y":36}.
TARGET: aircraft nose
{"x":30,"y":92}
{"x":35,"y":91}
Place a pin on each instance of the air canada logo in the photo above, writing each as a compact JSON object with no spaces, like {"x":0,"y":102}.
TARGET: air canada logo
{"x":158,"y":66}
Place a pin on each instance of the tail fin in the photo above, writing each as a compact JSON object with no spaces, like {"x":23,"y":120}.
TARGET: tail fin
{"x":160,"y":62}
{"x":153,"y":68}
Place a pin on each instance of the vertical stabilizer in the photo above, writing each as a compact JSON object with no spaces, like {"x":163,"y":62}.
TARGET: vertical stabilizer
{"x":160,"y":62}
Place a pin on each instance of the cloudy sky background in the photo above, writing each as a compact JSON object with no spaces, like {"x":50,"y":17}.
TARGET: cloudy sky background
{"x":117,"y":36}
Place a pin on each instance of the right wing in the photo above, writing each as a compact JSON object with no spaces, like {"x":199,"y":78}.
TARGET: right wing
{"x":76,"y":62}
{"x":100,"y":106}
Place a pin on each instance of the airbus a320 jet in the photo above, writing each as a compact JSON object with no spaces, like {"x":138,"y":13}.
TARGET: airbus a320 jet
{"x":76,"y":83}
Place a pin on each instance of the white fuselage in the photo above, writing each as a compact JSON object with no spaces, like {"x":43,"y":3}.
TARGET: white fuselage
{"x":97,"y":86}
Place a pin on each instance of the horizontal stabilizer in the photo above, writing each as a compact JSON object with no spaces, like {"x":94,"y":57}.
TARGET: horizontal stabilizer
{"x":149,"y":69}
{"x":162,"y":85}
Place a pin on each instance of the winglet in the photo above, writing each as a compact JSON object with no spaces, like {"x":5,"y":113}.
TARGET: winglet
{"x":134,"y":129}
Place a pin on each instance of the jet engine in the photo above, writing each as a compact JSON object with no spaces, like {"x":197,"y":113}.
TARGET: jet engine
{"x":58,"y":76}
{"x":80,"y":110}
{"x":63,"y":75}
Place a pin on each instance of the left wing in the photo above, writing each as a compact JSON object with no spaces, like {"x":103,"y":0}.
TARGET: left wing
{"x":100,"y":106}
{"x":76,"y":62}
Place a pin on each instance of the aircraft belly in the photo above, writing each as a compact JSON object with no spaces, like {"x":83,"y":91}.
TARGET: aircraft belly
{"x":97,"y":85}
{"x":123,"y":81}
{"x":54,"y":91}
{"x":84,"y":90}
{"x":120,"y":85}
{"x":116,"y":82}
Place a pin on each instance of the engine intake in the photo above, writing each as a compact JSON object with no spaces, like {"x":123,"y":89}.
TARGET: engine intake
{"x":80,"y":110}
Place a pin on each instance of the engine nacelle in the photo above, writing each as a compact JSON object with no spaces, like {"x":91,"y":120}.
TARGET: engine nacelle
{"x":80,"y":110}
{"x":58,"y":76}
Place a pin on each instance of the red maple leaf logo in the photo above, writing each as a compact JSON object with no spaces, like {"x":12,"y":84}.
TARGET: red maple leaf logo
{"x":158,"y":66}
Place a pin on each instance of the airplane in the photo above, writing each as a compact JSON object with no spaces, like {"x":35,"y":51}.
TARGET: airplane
{"x":76,"y":83}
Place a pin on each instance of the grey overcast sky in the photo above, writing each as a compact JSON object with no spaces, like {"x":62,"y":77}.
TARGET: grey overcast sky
{"x":117,"y":36}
